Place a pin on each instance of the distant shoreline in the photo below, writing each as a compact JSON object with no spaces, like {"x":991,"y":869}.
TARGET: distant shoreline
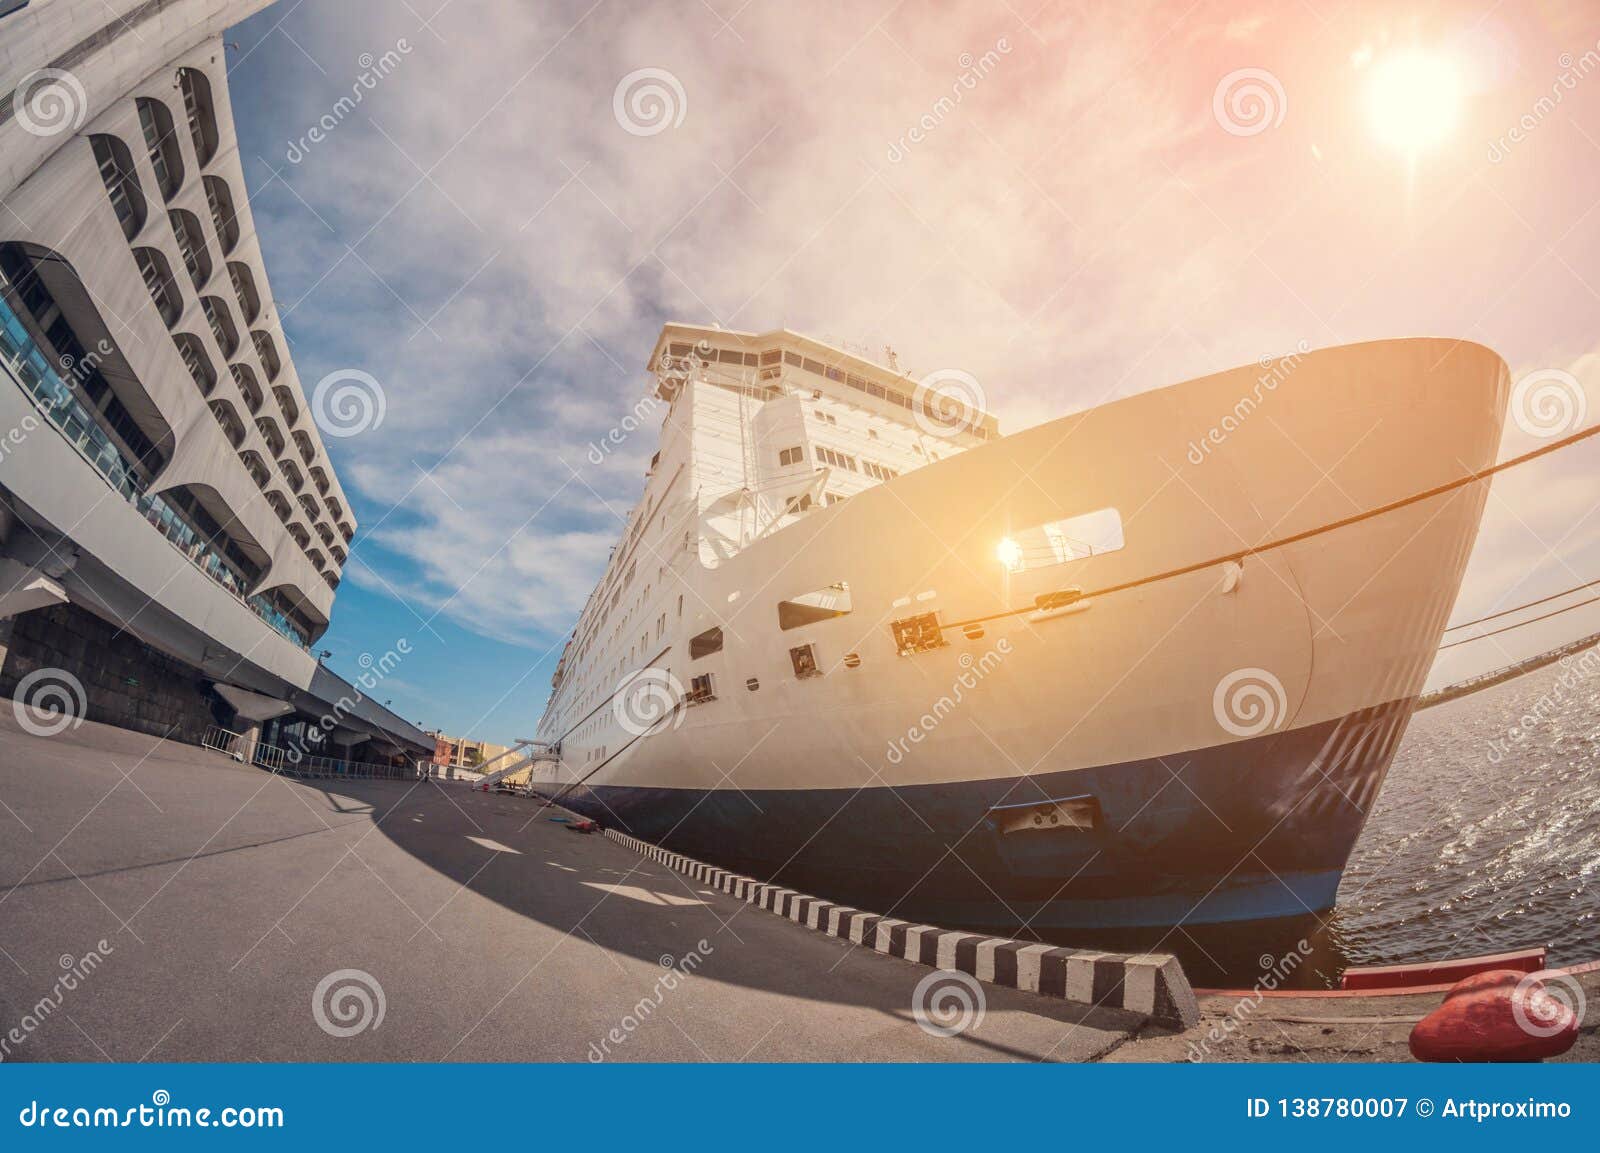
{"x":1501,"y":676}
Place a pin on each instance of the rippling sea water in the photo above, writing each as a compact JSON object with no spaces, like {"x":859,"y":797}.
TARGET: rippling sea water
{"x":1485,"y":838}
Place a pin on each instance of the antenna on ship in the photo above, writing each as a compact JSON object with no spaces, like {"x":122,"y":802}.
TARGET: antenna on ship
{"x":891,"y":358}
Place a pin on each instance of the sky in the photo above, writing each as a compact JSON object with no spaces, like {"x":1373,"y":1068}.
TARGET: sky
{"x":1071,"y":202}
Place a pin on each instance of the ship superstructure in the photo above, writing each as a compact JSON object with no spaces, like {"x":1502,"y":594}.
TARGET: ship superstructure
{"x":756,"y":432}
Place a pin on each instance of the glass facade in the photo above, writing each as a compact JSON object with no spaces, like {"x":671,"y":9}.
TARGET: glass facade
{"x":26,"y":363}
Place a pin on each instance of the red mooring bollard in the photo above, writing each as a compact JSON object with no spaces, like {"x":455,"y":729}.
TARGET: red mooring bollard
{"x":1501,"y":1015}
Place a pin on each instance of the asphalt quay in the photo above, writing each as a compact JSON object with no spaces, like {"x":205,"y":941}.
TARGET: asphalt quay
{"x":436,"y":922}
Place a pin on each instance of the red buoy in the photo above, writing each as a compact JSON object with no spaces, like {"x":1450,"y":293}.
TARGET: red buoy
{"x":1501,"y":1015}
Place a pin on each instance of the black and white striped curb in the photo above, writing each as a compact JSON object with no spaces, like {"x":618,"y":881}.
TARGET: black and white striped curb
{"x":1152,"y":984}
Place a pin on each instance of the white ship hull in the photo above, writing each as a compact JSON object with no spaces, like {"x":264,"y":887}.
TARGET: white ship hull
{"x":1203,"y":748}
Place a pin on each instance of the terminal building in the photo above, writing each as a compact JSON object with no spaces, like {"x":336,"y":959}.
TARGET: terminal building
{"x":172,"y":530}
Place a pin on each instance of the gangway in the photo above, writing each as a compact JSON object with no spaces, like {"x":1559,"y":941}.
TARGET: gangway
{"x":524,"y":754}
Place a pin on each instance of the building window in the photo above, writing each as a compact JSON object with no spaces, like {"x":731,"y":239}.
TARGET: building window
{"x":197,"y":106}
{"x":244,"y":287}
{"x":222,"y":326}
{"x":789,"y":456}
{"x":222,"y":213}
{"x":246,"y":380}
{"x":837,"y":459}
{"x":156,"y":124}
{"x":121,"y":181}
{"x":199,"y":364}
{"x":268,"y":352}
{"x":158,"y":279}
{"x":797,"y":503}
{"x":192,"y":246}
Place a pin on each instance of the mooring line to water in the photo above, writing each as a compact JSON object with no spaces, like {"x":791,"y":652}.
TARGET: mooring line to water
{"x":1520,"y":624}
{"x":1527,"y":605}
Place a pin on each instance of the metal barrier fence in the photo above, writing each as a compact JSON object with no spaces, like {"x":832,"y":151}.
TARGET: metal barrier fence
{"x":299,"y":765}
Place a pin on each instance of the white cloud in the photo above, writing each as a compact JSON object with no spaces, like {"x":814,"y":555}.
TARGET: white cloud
{"x":1077,"y":227}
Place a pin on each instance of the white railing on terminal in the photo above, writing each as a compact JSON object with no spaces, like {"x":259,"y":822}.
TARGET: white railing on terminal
{"x":247,"y":750}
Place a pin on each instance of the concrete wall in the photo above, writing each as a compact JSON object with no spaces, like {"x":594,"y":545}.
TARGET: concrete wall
{"x":107,"y":45}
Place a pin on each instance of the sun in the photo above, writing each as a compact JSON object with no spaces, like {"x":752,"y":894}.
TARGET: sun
{"x":1414,"y":100}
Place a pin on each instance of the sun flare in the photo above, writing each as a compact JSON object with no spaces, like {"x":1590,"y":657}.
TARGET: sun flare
{"x":1414,"y":100}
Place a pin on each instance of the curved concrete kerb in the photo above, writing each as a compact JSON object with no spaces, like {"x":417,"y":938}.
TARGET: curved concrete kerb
{"x":1151,"y":984}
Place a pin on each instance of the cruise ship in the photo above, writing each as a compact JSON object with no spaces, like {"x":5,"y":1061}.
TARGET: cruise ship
{"x":856,"y":641}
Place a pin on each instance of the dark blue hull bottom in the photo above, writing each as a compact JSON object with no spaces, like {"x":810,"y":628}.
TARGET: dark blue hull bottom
{"x":1252,"y":830}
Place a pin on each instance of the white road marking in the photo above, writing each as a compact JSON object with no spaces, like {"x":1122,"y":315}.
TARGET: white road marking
{"x":494,"y":846}
{"x":644,"y":896}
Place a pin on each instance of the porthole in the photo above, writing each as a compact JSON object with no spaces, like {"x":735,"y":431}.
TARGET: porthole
{"x":852,"y":660}
{"x":752,"y":684}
